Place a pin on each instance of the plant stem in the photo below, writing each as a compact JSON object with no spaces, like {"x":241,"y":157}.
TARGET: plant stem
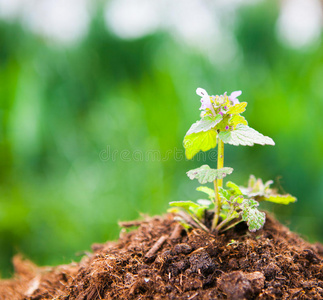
{"x":232,"y":225}
{"x":220,"y":159}
{"x":224,"y":223}
{"x":216,"y":205}
{"x":200,"y":223}
{"x":218,"y":183}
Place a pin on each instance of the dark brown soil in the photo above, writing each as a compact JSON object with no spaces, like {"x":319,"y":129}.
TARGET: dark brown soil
{"x":159,"y":260}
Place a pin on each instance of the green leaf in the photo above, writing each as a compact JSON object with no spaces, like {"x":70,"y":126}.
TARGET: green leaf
{"x":238,"y":199}
{"x":256,"y":187}
{"x":230,"y":197}
{"x":238,"y":108}
{"x":204,"y":124}
{"x":245,"y":136}
{"x":281,"y":199}
{"x":255,"y":219}
{"x":267,"y":185}
{"x":206,"y":190}
{"x":234,"y":187}
{"x":173,"y":210}
{"x":201,"y":141}
{"x":194,"y":209}
{"x":205,"y":174}
{"x":184,"y":204}
{"x":262,"y":192}
{"x":252,"y":181}
{"x":225,"y":195}
{"x":199,"y":212}
{"x":184,"y":224}
{"x":237,"y":119}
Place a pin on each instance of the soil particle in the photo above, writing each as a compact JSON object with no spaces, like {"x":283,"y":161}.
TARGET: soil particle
{"x":239,"y":285}
{"x":160,"y":260}
{"x":182,"y":249}
{"x":201,"y":262}
{"x":271,"y":270}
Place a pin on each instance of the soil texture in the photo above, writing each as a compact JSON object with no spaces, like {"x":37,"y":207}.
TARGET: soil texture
{"x":160,"y":260}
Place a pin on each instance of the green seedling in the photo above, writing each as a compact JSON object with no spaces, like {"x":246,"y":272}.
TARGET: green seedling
{"x":232,"y":242}
{"x":221,"y":123}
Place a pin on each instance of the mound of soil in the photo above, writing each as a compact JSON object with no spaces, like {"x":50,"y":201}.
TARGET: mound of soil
{"x":160,"y":260}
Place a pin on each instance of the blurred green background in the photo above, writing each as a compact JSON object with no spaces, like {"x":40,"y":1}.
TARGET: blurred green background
{"x":92,"y":121}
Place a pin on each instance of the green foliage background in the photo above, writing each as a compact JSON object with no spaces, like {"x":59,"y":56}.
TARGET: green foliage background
{"x":73,"y":119}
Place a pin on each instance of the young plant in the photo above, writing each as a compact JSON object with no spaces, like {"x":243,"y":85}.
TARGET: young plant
{"x":221,"y":123}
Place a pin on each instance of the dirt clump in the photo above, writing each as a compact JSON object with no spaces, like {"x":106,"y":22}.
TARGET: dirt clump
{"x":160,"y":260}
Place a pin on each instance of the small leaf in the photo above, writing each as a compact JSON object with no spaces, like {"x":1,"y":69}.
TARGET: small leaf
{"x":205,"y":124}
{"x":184,"y":204}
{"x":245,"y":136}
{"x":281,"y":199}
{"x":173,"y":210}
{"x":201,"y":141}
{"x":252,"y":181}
{"x":184,"y":224}
{"x":199,"y":212}
{"x":268,"y":184}
{"x":232,"y":242}
{"x":193,"y":209}
{"x":205,"y":174}
{"x":237,"y":108}
{"x":234,"y":187}
{"x":225,"y":195}
{"x":206,"y":190}
{"x":238,"y":199}
{"x":223,"y":215}
{"x":256,"y":187}
{"x":262,"y":192}
{"x":255,"y":219}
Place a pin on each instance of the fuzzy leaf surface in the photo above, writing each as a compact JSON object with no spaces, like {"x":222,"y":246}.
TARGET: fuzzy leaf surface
{"x":201,"y":141}
{"x":205,"y":174}
{"x":255,"y":219}
{"x":204,"y":124}
{"x":245,"y":136}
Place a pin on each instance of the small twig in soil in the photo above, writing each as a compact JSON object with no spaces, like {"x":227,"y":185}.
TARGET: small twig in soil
{"x":129,"y":224}
{"x":156,"y":246}
{"x":193,"y":296}
{"x":97,"y":290}
{"x":198,"y":250}
{"x":179,"y":289}
{"x":177,"y":232}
